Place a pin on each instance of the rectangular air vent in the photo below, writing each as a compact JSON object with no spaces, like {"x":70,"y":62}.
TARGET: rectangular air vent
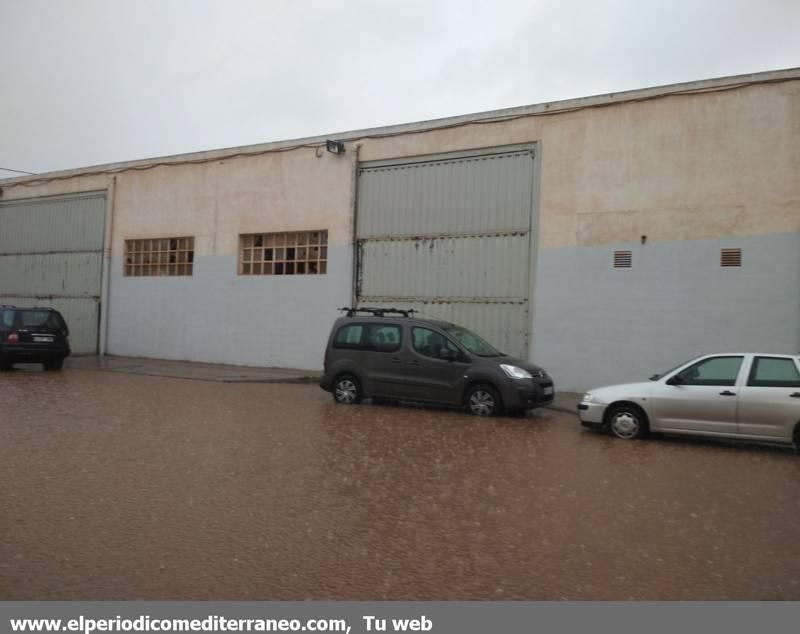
{"x":623,"y":259}
{"x":730,"y":257}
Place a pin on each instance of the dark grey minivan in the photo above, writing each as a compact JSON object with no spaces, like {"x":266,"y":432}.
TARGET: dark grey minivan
{"x":390,"y":354}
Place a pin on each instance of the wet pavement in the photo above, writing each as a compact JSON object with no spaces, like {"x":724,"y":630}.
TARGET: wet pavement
{"x":121,"y":486}
{"x":188,"y":370}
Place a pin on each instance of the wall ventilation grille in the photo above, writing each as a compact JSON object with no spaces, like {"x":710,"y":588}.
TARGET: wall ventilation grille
{"x":730,"y":257}
{"x":623,"y":259}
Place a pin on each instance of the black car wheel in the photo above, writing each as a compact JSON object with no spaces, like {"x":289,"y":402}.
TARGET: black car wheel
{"x":347,"y":390}
{"x":54,"y":364}
{"x":627,"y":422}
{"x":483,"y":400}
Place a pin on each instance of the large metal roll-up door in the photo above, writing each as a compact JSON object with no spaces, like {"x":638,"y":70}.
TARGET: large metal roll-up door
{"x":51,"y":254}
{"x":450,"y":236}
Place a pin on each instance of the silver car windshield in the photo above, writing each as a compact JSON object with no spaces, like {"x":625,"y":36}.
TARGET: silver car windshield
{"x":471,"y":341}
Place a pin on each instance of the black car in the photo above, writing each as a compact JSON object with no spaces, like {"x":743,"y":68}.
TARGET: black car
{"x":390,"y":354}
{"x":33,"y":335}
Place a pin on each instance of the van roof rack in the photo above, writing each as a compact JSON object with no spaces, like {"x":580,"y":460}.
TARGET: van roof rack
{"x":379,"y":312}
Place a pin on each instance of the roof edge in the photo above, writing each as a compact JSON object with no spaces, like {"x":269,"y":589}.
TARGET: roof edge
{"x":544,"y":108}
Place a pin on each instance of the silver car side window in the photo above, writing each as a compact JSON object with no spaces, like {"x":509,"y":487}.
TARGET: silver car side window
{"x":773,"y":372}
{"x":717,"y":371}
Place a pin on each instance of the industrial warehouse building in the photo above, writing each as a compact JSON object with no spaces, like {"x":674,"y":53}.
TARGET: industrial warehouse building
{"x":605,"y":238}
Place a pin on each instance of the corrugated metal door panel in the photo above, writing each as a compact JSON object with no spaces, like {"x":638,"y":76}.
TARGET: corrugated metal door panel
{"x":505,"y":326}
{"x":81,"y":315}
{"x":450,"y":237}
{"x":479,"y":268}
{"x":51,"y":254}
{"x":52,"y":274}
{"x":50,"y":225}
{"x":479,"y":194}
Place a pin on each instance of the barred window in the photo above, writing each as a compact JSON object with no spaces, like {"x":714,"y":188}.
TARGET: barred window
{"x":159,"y":256}
{"x":286,"y":253}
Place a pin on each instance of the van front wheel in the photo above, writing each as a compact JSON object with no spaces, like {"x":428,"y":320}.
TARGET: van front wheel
{"x":347,"y":390}
{"x":483,"y":400}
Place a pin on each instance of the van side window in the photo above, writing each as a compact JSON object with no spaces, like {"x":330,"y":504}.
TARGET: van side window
{"x":430,"y":343}
{"x":8,"y":318}
{"x":385,"y":338}
{"x":349,"y":336}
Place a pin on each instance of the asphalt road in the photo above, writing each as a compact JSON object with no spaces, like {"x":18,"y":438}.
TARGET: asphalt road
{"x":116,"y":486}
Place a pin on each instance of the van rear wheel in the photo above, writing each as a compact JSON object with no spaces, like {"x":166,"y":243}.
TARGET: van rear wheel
{"x":347,"y":390}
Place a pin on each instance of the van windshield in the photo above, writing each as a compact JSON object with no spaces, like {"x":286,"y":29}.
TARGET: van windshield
{"x":471,"y":341}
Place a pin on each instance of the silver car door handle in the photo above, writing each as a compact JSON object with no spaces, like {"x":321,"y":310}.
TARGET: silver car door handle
{"x":727,"y":393}
{"x":795,"y":395}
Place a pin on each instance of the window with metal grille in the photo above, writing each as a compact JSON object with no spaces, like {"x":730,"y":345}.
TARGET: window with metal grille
{"x":286,"y":253}
{"x":623,"y":259}
{"x":730,"y":257}
{"x":159,"y":256}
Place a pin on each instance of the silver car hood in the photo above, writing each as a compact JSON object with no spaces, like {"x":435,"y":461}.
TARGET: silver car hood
{"x":624,"y":391}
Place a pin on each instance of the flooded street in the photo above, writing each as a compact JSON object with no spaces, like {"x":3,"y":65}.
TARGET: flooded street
{"x":118,"y":486}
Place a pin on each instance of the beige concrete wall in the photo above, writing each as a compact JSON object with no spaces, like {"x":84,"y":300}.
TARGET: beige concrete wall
{"x":215,"y":201}
{"x":678,"y":167}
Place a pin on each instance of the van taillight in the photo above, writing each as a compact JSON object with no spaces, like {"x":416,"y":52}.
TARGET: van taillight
{"x":12,"y":338}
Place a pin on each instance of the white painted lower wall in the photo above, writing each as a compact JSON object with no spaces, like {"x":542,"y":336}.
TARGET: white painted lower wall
{"x":594,"y":325}
{"x":217,"y":316}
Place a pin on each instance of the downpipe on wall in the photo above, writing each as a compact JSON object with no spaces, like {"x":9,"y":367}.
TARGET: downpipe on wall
{"x":354,"y":223}
{"x":106,"y":281}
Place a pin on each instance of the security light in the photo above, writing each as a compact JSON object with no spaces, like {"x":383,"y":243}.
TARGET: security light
{"x":334,"y":147}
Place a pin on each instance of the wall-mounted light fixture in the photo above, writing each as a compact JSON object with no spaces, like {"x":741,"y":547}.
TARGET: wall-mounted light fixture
{"x":334,"y":147}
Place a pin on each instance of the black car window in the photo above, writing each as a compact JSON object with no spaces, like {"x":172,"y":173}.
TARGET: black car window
{"x":8,"y":318}
{"x":773,"y":372}
{"x":431,"y":343}
{"x":349,"y":336}
{"x":717,"y":371}
{"x":385,"y":337}
{"x":41,"y":319}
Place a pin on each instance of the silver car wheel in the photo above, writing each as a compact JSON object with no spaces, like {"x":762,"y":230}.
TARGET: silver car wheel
{"x":625,"y":425}
{"x":481,"y":403}
{"x":346,"y":391}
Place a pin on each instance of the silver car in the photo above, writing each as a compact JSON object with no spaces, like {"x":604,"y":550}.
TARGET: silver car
{"x":738,"y":395}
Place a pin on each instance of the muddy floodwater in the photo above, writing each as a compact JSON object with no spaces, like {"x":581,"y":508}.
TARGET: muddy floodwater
{"x":116,"y":486}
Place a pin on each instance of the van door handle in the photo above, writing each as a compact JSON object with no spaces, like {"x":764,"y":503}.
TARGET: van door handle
{"x":795,"y":395}
{"x":727,"y":393}
{"x":413,"y":362}
{"x":395,"y":360}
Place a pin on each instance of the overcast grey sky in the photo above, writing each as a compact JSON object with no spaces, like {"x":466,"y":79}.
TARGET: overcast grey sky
{"x":94,"y":81}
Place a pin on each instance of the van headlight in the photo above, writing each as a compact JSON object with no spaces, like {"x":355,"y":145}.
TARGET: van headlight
{"x":513,"y":372}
